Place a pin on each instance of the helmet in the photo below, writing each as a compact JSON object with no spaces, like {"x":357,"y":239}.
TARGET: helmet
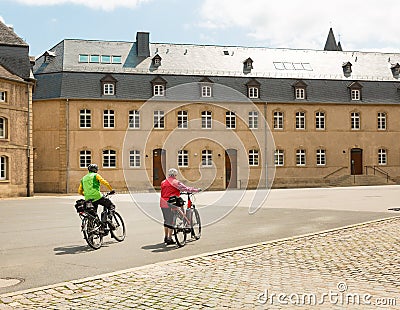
{"x":93,"y":168}
{"x":172,"y":172}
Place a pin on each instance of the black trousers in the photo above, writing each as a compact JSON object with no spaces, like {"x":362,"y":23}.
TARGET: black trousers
{"x":106,"y":203}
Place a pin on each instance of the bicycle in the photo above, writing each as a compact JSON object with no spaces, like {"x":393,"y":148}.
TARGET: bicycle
{"x":185,"y":222}
{"x":94,"y":229}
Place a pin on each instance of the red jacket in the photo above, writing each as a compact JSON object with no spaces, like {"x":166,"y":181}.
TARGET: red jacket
{"x":172,"y":187}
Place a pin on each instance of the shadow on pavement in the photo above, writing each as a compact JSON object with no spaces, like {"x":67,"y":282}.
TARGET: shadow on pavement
{"x":159,"y":247}
{"x":72,"y":249}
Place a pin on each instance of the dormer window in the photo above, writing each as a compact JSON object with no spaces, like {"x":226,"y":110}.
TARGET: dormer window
{"x":206,"y":88}
{"x":159,"y":86}
{"x":48,"y":56}
{"x":300,"y":90}
{"x":108,"y":85}
{"x":156,"y":61}
{"x":347,"y":69}
{"x":253,"y":89}
{"x":355,"y":91}
{"x":395,"y":70}
{"x":247,"y":65}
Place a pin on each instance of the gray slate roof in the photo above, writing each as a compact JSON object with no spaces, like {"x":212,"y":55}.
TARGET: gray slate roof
{"x":9,"y":37}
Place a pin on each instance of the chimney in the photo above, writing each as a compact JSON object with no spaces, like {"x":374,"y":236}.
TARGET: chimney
{"x":142,"y":44}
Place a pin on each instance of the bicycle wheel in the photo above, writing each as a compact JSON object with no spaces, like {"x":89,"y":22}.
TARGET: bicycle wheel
{"x":196,"y":224}
{"x":91,"y":232}
{"x":179,"y":230}
{"x":117,"y":227}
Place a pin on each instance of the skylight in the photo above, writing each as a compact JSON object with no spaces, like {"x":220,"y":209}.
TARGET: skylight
{"x":280,"y":65}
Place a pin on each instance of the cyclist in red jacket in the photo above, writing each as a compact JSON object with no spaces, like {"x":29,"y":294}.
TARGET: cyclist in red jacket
{"x":171,"y":187}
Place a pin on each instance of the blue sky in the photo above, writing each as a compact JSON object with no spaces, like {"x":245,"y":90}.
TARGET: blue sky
{"x":359,"y":24}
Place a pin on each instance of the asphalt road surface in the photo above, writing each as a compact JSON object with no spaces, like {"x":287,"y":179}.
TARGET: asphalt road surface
{"x":41,"y":242}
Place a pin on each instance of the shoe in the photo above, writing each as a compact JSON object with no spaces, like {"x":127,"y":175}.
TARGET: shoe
{"x":169,"y":242}
{"x":104,"y":231}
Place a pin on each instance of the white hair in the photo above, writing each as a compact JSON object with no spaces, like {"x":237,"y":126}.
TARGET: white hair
{"x":172,"y":172}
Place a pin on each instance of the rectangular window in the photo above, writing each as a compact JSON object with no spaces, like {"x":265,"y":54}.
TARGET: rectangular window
{"x":300,"y":120}
{"x":320,"y":120}
{"x":206,"y":91}
{"x":85,"y":119}
{"x":105,"y":59}
{"x":253,"y":120}
{"x":85,"y":158}
{"x":108,"y":89}
{"x":182,"y":119}
{"x":109,"y":159}
{"x":300,"y":93}
{"x":83,"y":58}
{"x":3,"y":167}
{"x":278,"y":120}
{"x":3,"y":128}
{"x":206,"y":158}
{"x":183,"y":158}
{"x":355,"y":94}
{"x":134,"y":119}
{"x":159,"y":119}
{"x":321,"y":158}
{"x":134,"y":159}
{"x":381,"y":121}
{"x":94,"y":58}
{"x":279,"y":158}
{"x":382,"y":157}
{"x":158,"y":90}
{"x":253,"y":92}
{"x":300,"y":157}
{"x":206,"y":120}
{"x":3,"y":96}
{"x":230,"y":120}
{"x":116,"y":59}
{"x":253,"y":157}
{"x":355,"y":120}
{"x":108,"y":119}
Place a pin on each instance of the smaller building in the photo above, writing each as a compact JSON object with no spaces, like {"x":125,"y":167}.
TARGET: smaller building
{"x":16,"y":88}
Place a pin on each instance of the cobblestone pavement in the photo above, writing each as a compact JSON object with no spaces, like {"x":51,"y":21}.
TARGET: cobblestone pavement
{"x":355,"y":267}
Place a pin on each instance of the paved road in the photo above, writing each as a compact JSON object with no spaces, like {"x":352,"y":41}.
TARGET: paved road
{"x":40,"y":240}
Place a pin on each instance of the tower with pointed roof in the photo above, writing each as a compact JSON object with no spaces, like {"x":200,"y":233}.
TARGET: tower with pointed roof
{"x":331,"y":44}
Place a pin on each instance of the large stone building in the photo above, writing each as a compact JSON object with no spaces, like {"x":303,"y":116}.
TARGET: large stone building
{"x":238,"y":117}
{"x":16,"y":86}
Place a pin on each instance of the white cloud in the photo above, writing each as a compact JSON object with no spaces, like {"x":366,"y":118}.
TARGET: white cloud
{"x":362,"y":25}
{"x":2,"y":20}
{"x":106,"y":5}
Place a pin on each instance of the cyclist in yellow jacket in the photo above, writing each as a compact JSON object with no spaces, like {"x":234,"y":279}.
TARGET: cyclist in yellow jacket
{"x":90,"y":188}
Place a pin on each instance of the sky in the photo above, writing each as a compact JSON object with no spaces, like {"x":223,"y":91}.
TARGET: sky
{"x":359,"y":25}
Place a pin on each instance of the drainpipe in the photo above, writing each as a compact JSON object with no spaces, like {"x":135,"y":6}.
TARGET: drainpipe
{"x":28,"y":151}
{"x":67,"y":146}
{"x":265,"y":145}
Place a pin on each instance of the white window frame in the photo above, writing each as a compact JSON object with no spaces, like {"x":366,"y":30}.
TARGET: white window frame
{"x":3,"y":168}
{"x":320,"y":120}
{"x":279,"y":158}
{"x":105,"y":59}
{"x":300,"y":93}
{"x":134,"y":159}
{"x":109,"y":159}
{"x":206,"y":158}
{"x":355,"y":94}
{"x":3,"y":96}
{"x":183,"y":158}
{"x":85,"y":158}
{"x":382,"y":119}
{"x":84,"y":58}
{"x":183,"y":119}
{"x":300,"y":120}
{"x":230,"y":120}
{"x":108,"y":119}
{"x":321,"y":157}
{"x":355,"y":121}
{"x":278,"y":120}
{"x":300,"y":157}
{"x":158,"y":119}
{"x":253,"y":120}
{"x":382,"y":157}
{"x":254,"y":158}
{"x":206,"y":120}
{"x":3,"y":128}
{"x":85,"y":118}
{"x":134,"y":119}
{"x":206,"y":91}
{"x":158,"y":90}
{"x":108,"y":89}
{"x":253,"y":92}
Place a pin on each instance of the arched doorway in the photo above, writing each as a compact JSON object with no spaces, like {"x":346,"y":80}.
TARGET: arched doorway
{"x":356,"y":164}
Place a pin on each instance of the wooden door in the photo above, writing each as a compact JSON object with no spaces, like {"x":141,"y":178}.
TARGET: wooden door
{"x":158,"y":166}
{"x":356,"y":161}
{"x":231,"y":168}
